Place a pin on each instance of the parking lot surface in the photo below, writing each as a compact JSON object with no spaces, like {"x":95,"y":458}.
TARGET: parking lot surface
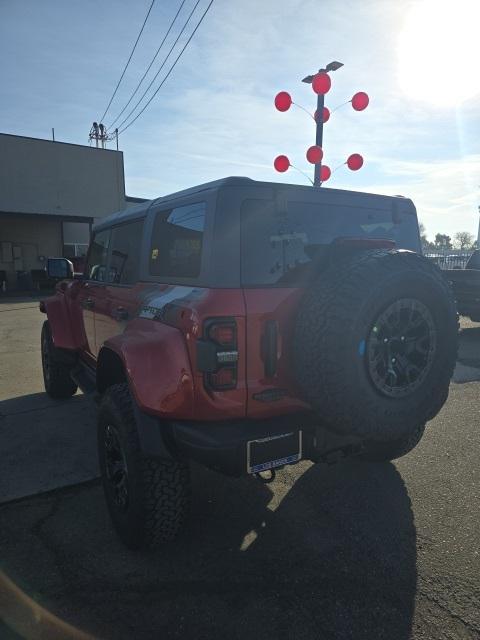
{"x":347,"y":551}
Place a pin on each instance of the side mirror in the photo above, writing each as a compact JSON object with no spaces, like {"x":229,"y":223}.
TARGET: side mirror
{"x":59,"y":269}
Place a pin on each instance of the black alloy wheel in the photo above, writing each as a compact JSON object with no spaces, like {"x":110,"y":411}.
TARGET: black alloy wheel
{"x":401,"y":347}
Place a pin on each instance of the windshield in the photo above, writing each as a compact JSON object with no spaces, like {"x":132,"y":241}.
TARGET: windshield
{"x":279,"y":246}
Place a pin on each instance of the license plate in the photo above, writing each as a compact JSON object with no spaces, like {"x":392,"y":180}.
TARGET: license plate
{"x":274,"y":451}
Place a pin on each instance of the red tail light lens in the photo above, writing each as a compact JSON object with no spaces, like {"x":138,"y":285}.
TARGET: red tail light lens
{"x":224,"y":334}
{"x":225,"y":378}
{"x":217,"y":354}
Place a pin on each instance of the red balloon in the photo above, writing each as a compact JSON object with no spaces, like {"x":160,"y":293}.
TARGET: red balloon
{"x":281,"y":163}
{"x":326,"y":115}
{"x":360,"y":101}
{"x":325,"y":173}
{"x":283,"y":101}
{"x":315,"y":154}
{"x":321,"y":83}
{"x":355,"y":161}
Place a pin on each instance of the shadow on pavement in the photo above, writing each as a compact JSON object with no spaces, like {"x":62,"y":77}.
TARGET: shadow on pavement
{"x":331,"y":554}
{"x":32,"y":402}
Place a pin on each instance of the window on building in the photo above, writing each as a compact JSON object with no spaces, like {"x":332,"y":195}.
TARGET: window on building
{"x":177,"y":237}
{"x":71,"y":250}
{"x":125,"y":255}
{"x":96,"y":267}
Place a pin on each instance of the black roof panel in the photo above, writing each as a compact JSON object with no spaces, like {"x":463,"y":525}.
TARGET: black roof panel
{"x":233,"y":181}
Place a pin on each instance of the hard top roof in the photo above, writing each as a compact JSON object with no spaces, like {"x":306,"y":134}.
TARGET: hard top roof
{"x":233,"y":181}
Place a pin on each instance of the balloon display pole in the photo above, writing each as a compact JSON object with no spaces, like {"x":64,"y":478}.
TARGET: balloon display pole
{"x":319,"y":138}
{"x":320,"y":83}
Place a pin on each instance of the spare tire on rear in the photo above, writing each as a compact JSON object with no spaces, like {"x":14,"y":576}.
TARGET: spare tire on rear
{"x":375,"y":343}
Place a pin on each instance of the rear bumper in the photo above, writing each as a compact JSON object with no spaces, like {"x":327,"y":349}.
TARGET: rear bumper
{"x":223,"y":446}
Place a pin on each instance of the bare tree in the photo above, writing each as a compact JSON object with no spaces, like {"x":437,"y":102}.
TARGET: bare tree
{"x":463,"y":240}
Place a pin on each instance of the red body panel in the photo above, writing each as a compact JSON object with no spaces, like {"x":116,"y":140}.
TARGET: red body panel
{"x":160,"y":353}
{"x":262,"y":306}
{"x":158,"y":368}
{"x":160,"y":359}
{"x":63,"y":312}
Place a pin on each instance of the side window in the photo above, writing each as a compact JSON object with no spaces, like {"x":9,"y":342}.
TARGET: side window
{"x":96,"y":267}
{"x":176,"y":249}
{"x":125,"y":254}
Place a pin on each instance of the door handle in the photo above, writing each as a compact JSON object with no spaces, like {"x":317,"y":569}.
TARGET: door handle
{"x":120,"y":313}
{"x":270,"y":348}
{"x":88,"y":303}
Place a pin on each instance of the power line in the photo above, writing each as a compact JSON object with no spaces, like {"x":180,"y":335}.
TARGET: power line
{"x":169,"y":71}
{"x":163,"y":63}
{"x":151,"y":63}
{"x":128,"y":62}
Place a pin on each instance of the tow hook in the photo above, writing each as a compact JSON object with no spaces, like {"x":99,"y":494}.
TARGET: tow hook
{"x":264,"y":479}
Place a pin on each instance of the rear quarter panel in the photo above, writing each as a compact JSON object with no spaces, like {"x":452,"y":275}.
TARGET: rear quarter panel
{"x":159,"y":351}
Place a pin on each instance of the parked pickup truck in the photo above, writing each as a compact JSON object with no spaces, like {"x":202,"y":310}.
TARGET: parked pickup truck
{"x":246,"y":326}
{"x":466,"y":287}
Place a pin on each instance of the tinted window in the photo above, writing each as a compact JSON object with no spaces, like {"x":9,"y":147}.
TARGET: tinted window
{"x":277,"y":247}
{"x":96,"y":267}
{"x":125,"y":255}
{"x":176,"y":248}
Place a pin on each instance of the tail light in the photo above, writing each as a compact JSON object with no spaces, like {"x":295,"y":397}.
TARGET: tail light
{"x":217,"y":354}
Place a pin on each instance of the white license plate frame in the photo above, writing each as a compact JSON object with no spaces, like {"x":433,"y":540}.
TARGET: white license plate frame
{"x":278,"y":462}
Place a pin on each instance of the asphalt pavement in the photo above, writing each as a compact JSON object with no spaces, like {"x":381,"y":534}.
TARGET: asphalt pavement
{"x":354,"y":550}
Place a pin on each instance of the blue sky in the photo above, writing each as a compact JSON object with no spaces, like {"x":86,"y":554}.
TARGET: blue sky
{"x":214,"y":116}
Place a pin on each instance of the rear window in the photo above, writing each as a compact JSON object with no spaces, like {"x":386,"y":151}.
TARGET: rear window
{"x":277,"y":247}
{"x":177,"y":239}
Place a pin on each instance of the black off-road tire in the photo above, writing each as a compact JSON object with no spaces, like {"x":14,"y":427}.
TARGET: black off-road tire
{"x":158,"y":490}
{"x":56,"y":367}
{"x":333,"y":339}
{"x":386,"y":451}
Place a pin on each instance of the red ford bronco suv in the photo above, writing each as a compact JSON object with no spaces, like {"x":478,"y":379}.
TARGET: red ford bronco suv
{"x":246,"y":326}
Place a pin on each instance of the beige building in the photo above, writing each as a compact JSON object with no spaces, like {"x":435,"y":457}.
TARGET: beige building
{"x":50,"y":194}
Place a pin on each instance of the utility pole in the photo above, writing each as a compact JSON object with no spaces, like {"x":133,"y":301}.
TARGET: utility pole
{"x":98,"y":132}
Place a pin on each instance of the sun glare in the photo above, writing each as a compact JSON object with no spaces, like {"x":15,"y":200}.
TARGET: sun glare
{"x":438,"y":51}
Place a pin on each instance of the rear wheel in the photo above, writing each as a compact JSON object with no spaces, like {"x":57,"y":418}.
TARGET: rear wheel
{"x":375,"y":344}
{"x":56,"y":367}
{"x":148,"y":498}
